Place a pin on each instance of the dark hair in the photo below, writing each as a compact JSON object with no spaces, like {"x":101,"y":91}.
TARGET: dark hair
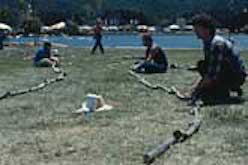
{"x":205,"y":21}
{"x":47,"y":44}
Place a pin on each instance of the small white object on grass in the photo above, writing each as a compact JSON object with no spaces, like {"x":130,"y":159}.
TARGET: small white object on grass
{"x":56,"y":69}
{"x":41,"y":85}
{"x":55,"y":52}
{"x":94,"y":103}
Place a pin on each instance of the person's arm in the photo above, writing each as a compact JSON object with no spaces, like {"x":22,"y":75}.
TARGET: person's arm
{"x":149,"y":58}
{"x":149,"y":54}
{"x":153,"y":53}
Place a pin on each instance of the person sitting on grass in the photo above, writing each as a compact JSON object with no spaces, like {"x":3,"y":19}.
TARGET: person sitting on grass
{"x":156,"y":60}
{"x":43,"y":57}
{"x":222,"y":69}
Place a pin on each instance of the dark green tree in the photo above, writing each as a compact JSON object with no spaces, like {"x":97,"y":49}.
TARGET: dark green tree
{"x":6,"y":15}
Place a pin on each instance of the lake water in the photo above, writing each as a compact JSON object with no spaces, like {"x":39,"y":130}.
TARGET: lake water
{"x":134,"y":41}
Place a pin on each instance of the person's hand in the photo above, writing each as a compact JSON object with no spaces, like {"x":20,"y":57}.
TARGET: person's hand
{"x":148,"y":58}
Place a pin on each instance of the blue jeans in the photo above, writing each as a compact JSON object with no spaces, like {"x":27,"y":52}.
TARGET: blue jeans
{"x":149,"y":67}
{"x":98,"y":43}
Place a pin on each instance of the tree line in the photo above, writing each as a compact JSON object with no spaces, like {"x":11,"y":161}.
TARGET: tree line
{"x":228,"y":13}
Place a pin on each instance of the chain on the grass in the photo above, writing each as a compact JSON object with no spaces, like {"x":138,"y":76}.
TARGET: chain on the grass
{"x":178,"y":136}
{"x":45,"y":83}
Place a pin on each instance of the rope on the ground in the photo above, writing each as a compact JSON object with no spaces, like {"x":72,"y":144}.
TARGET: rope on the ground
{"x":169,"y":90}
{"x":178,"y":136}
{"x":40,"y":86}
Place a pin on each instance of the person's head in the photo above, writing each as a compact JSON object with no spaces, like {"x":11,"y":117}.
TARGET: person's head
{"x":204,"y":26}
{"x":98,"y":21}
{"x":47,"y":45}
{"x":147,"y":40}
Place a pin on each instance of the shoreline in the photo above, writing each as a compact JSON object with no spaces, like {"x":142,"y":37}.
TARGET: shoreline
{"x":59,"y":45}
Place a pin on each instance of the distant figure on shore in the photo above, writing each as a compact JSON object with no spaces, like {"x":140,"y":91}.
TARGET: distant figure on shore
{"x":222,"y":69}
{"x":2,"y":38}
{"x":155,"y":60}
{"x":43,"y":57}
{"x":98,"y":37}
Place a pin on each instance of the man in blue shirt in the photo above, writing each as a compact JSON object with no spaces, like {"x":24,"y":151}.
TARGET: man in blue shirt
{"x":43,"y":57}
{"x":222,"y":69}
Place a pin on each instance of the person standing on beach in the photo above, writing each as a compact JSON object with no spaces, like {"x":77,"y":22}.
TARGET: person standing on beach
{"x":2,"y":38}
{"x":98,"y":37}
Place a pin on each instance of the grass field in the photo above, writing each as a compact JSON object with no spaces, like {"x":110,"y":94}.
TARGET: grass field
{"x":39,"y":128}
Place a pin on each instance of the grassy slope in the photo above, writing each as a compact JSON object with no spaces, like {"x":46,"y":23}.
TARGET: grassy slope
{"x":39,"y":128}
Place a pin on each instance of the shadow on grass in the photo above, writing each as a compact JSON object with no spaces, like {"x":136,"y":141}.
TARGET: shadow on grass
{"x":228,"y":101}
{"x":133,"y":58}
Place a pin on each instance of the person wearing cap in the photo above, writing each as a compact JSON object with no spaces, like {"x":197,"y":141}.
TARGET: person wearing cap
{"x":43,"y":57}
{"x":98,"y":37}
{"x":155,"y":61}
{"x":222,"y":69}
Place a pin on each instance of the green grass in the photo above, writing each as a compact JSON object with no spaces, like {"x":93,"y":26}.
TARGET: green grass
{"x":39,"y":127}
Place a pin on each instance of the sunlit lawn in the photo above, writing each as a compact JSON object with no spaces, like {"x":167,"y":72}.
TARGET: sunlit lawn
{"x":39,"y":127}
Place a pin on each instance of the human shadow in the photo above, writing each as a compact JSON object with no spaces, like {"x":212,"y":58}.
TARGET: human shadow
{"x":232,"y":100}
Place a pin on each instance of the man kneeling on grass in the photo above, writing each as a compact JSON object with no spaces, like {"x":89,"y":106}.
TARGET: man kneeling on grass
{"x":43,"y":57}
{"x":155,"y":61}
{"x":222,"y":69}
